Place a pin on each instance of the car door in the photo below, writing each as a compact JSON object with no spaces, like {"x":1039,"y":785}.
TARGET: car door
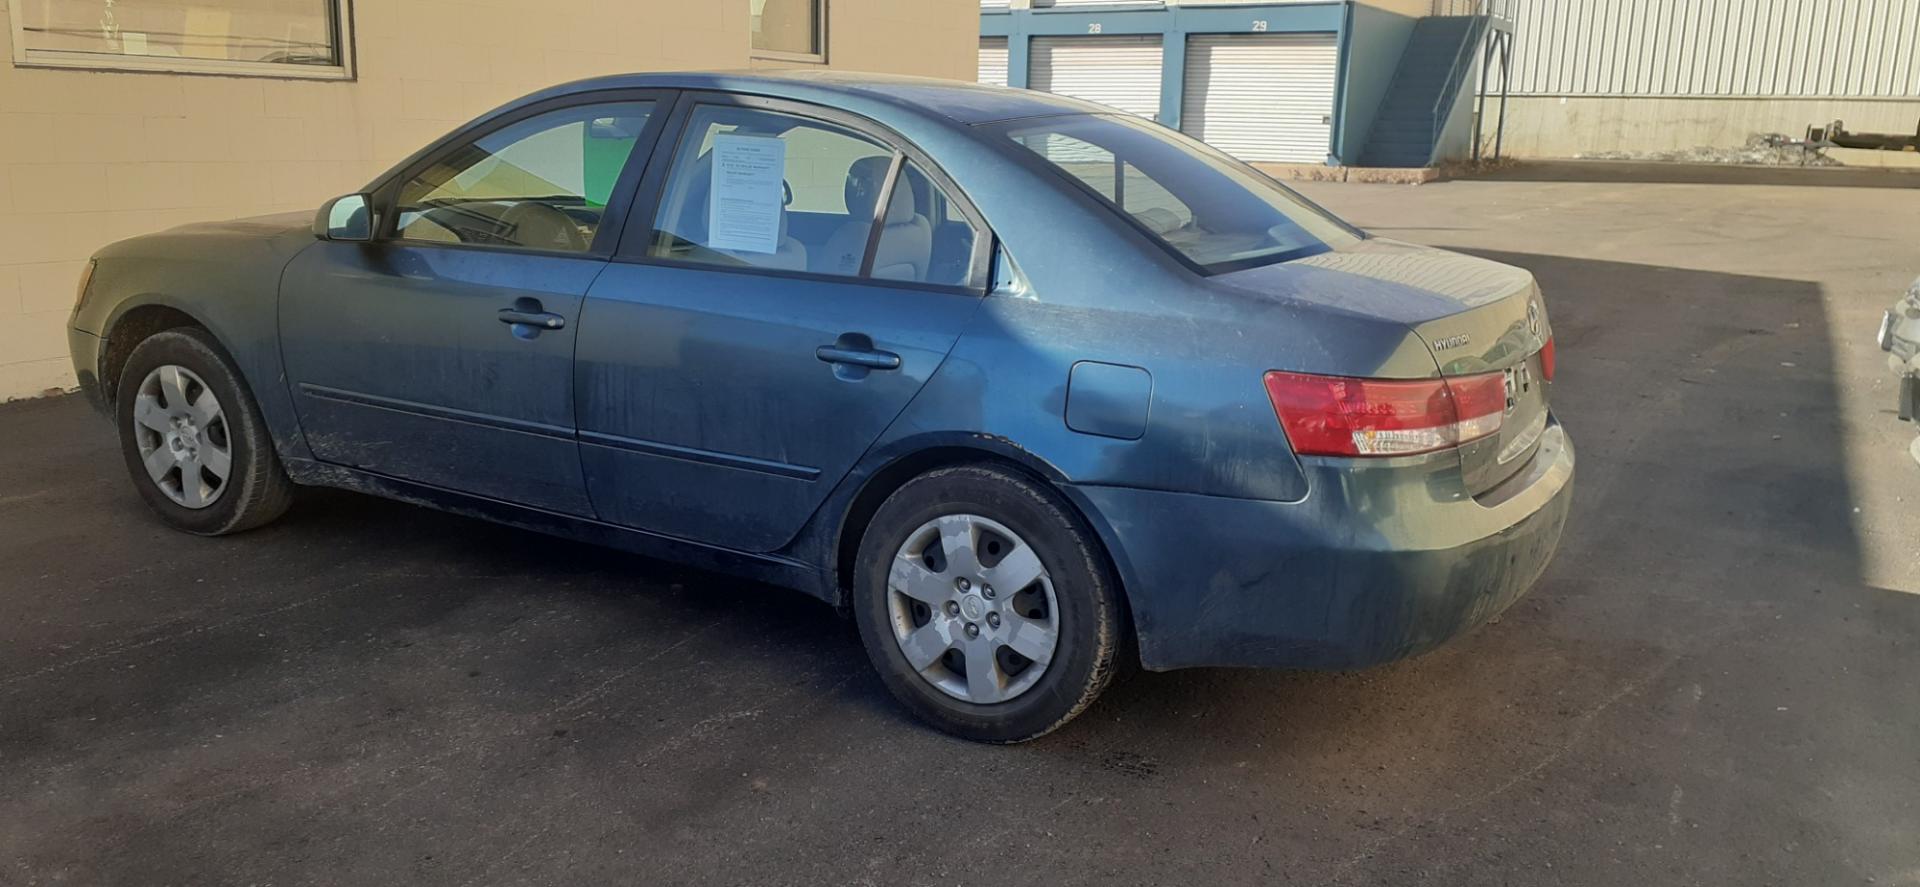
{"x":441,"y":352}
{"x":789,"y":282}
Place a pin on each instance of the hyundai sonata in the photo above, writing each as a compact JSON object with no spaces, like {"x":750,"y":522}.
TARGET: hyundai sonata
{"x":1033,"y":389}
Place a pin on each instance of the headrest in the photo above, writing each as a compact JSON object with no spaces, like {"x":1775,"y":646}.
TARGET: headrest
{"x":865,"y":178}
{"x":901,"y":209}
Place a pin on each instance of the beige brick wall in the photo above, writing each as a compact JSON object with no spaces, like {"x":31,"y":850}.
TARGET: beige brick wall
{"x":89,"y":157}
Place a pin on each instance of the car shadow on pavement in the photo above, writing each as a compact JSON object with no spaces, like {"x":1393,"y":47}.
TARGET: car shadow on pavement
{"x":1710,"y":565}
{"x":378,"y":688}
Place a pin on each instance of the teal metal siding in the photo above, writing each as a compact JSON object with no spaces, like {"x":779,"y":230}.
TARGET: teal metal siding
{"x":1175,"y":25}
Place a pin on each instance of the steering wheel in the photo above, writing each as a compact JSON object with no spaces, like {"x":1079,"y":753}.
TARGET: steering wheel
{"x":540,"y":226}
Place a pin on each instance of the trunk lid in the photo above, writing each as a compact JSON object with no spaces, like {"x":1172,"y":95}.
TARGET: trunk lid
{"x":1474,"y":316}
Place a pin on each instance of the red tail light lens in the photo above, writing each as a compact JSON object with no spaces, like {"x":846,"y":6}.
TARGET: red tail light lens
{"x":1338,"y":416}
{"x":1546,"y":361}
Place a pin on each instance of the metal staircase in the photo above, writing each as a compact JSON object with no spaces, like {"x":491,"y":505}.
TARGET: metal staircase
{"x":1433,"y":76}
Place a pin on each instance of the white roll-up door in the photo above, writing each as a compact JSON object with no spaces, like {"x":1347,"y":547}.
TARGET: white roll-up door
{"x":1262,"y":97}
{"x":1123,"y":72}
{"x":993,"y":61}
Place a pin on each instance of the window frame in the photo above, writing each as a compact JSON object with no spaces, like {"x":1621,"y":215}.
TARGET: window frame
{"x":820,"y":18}
{"x":385,"y":191}
{"x":636,"y":241}
{"x":343,"y":24}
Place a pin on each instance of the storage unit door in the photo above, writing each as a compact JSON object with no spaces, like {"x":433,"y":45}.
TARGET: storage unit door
{"x":1123,"y":72}
{"x":993,"y":61}
{"x":1262,"y":97}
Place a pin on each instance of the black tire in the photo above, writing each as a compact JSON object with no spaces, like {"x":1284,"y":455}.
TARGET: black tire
{"x":1090,"y":620}
{"x":256,"y":489}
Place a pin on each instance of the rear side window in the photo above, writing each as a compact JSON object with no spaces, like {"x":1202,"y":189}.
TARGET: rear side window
{"x":924,"y":238}
{"x":754,"y":188}
{"x":1199,"y":204}
{"x":542,"y":183}
{"x":763,"y":189}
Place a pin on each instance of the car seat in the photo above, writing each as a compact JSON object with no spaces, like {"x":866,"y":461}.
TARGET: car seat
{"x":906,"y":238}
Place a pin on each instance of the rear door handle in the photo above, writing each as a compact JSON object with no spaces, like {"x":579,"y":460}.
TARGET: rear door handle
{"x":545,"y":320}
{"x":860,"y":357}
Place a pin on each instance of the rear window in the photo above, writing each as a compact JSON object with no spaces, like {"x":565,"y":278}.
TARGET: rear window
{"x":1203,"y":206}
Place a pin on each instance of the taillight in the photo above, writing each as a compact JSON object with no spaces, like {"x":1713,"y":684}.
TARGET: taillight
{"x":1546,"y":361}
{"x":1338,"y":416}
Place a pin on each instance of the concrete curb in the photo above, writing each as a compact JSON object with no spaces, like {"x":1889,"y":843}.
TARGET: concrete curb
{"x":1306,"y":172}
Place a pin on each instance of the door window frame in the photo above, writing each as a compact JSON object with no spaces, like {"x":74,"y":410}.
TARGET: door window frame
{"x":386,"y":190}
{"x":636,"y":241}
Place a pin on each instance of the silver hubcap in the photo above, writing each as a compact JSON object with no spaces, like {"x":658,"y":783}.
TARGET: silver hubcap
{"x":973,"y":609}
{"x":183,"y":437}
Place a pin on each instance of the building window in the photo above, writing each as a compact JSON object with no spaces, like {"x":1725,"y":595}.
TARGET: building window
{"x":792,"y":30}
{"x":275,"y":38}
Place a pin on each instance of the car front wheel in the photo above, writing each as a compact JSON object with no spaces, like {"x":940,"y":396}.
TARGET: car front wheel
{"x":986,"y":605}
{"x":193,"y":438}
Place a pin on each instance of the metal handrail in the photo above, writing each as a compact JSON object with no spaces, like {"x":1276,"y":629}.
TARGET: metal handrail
{"x":1482,"y":12}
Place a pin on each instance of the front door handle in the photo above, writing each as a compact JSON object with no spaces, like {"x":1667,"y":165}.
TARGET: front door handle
{"x":861,"y":357}
{"x":542,"y":320}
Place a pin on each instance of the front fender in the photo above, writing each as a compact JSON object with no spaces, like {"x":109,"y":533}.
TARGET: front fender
{"x":228,"y":285}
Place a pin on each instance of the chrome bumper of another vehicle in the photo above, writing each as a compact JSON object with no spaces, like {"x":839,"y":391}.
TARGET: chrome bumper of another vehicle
{"x":1899,"y":336}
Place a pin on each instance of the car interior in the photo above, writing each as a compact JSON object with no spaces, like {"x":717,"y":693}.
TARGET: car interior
{"x":465,"y":198}
{"x":912,"y":247}
{"x":541,"y":185}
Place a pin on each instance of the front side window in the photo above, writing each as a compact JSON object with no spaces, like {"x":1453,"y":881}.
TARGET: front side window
{"x":542,"y":183}
{"x":794,"y":29}
{"x":281,"y":38}
{"x":1201,"y":205}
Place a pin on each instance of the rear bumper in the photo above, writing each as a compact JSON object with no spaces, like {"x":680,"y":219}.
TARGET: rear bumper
{"x":1378,"y":563}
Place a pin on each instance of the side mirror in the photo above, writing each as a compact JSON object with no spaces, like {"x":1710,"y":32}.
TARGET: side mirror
{"x":345,"y":218}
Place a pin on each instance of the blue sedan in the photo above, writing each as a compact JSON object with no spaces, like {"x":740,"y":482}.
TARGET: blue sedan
{"x":1032,"y":389}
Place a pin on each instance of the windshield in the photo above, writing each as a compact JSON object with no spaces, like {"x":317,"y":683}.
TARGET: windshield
{"x":1200,"y":204}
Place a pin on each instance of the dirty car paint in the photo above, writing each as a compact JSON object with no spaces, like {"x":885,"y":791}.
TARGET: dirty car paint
{"x":683,"y":413}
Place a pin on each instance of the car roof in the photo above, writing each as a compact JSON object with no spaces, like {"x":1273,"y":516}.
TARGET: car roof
{"x":957,"y":101}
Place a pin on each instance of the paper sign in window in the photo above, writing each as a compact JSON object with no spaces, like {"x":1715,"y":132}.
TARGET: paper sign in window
{"x":749,"y":174}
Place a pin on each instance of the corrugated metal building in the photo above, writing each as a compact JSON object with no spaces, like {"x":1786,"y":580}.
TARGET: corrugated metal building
{"x":1638,"y":75}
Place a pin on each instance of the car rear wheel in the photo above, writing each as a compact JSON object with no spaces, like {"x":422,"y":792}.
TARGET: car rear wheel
{"x":193,"y":439}
{"x":985,"y":605}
